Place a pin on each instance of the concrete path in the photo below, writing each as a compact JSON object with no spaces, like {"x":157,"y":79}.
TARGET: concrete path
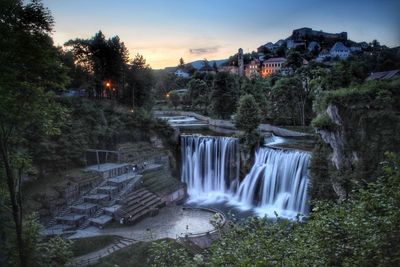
{"x":94,"y":257}
{"x":171,"y":222}
{"x":227,"y":126}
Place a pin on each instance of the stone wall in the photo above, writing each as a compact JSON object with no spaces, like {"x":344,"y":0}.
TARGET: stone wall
{"x":228,"y":127}
{"x":175,"y":197}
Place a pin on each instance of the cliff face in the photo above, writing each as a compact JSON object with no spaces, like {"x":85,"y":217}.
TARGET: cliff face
{"x":358,"y":125}
{"x":336,"y":139}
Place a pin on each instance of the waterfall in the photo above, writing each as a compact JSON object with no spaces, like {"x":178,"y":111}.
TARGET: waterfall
{"x":210,"y":166}
{"x":277,"y":182}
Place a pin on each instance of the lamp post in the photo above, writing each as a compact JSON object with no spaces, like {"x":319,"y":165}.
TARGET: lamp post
{"x":108,"y":87}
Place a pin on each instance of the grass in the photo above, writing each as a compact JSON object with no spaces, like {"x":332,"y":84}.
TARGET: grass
{"x":135,"y":255}
{"x":84,"y":246}
{"x":160,"y":182}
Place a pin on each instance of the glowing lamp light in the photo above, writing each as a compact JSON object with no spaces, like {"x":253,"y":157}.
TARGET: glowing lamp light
{"x":108,"y":84}
{"x":168,"y":95}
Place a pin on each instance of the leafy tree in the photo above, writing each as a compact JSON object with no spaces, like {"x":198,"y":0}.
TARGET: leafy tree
{"x":257,"y":87}
{"x":294,"y":60}
{"x":199,"y":94}
{"x":105,"y":59}
{"x":224,"y":91}
{"x":164,"y":254}
{"x":285,"y":100}
{"x":29,"y":68}
{"x":140,"y":82}
{"x":181,"y":63}
{"x":174,"y":98}
{"x":248,"y":114}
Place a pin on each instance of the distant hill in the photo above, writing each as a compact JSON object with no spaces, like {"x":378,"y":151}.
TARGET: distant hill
{"x":198,"y":64}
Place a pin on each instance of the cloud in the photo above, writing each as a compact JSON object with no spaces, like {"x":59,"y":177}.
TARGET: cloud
{"x":203,"y":50}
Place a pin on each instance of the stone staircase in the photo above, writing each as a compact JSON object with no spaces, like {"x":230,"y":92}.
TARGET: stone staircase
{"x":138,"y":204}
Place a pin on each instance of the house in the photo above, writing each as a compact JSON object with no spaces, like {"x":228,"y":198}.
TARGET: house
{"x":364,"y":45}
{"x":229,"y":69}
{"x":355,"y":48}
{"x":339,"y":50}
{"x":269,"y":46}
{"x":280,"y":43}
{"x":272,"y":65}
{"x":293,"y":44}
{"x":384,"y":75}
{"x":252,"y":68}
{"x":181,"y":73}
{"x":323,"y":55}
{"x":313,"y":46}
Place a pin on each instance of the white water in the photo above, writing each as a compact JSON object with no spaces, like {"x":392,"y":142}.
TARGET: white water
{"x":210,"y":166}
{"x":277,"y":182}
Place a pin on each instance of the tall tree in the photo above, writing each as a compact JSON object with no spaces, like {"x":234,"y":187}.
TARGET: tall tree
{"x":105,"y":59}
{"x":29,"y":67}
{"x":181,"y":63}
{"x":140,"y":83}
{"x":225,"y":90}
{"x":248,"y":114}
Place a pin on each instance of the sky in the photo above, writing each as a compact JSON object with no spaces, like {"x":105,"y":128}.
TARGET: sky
{"x":165,"y":30}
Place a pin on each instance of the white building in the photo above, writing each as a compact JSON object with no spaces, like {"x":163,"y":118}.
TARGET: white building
{"x":313,"y":45}
{"x":340,"y":50}
{"x":181,"y":73}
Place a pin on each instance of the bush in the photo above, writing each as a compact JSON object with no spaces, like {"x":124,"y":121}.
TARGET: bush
{"x":323,"y":122}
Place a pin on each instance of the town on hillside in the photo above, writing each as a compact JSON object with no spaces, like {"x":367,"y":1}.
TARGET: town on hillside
{"x":271,"y":58}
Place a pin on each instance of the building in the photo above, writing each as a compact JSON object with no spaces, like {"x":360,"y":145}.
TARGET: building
{"x":308,"y":33}
{"x":339,"y":50}
{"x":384,"y":75}
{"x":293,"y":44}
{"x":240,"y":62}
{"x":272,"y":65}
{"x":181,"y":73}
{"x":253,"y":68}
{"x":279,"y":43}
{"x":313,"y":46}
{"x":229,"y":69}
{"x":323,"y":55}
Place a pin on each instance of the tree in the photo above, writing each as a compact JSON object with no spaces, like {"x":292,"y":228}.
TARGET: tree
{"x":224,"y":91}
{"x":29,"y":69}
{"x":248,"y":114}
{"x":294,"y":60}
{"x":105,"y":59}
{"x":165,"y":254}
{"x":181,"y":63}
{"x":174,"y":98}
{"x":140,"y":82}
{"x":199,"y":94}
{"x":285,"y":100}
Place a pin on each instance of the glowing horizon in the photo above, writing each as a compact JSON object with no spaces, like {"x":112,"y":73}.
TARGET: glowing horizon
{"x":164,"y":31}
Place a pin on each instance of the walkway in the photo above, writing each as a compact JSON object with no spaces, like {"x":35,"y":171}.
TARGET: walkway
{"x":171,"y":222}
{"x":227,"y":126}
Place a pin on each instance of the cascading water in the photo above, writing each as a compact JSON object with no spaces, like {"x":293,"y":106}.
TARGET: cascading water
{"x":210,"y":166}
{"x":277,"y":182}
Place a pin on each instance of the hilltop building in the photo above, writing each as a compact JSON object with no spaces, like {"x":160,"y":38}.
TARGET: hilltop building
{"x":181,"y":73}
{"x":305,"y":33}
{"x":253,"y":68}
{"x":339,"y":50}
{"x":240,"y":62}
{"x":272,"y":65}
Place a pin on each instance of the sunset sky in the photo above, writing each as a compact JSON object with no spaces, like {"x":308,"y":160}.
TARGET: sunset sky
{"x":165,"y":30}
